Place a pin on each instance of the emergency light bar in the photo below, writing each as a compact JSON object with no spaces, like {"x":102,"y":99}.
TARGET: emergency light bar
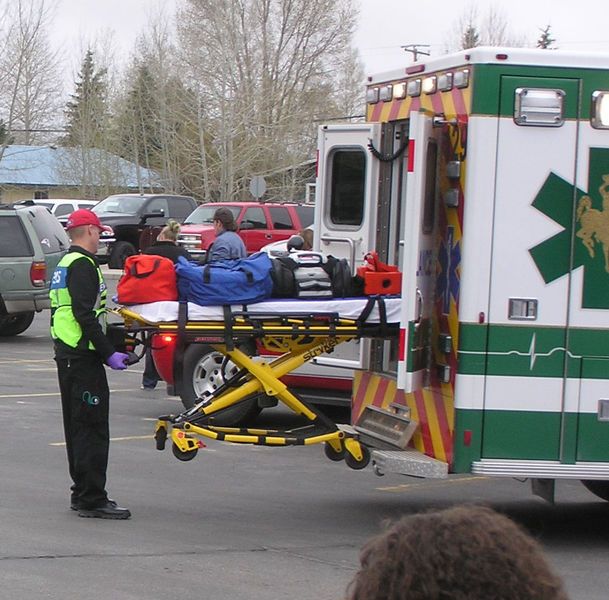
{"x":600,"y":110}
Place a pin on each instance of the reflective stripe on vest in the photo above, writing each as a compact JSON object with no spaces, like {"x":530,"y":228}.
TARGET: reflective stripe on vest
{"x":64,"y":326}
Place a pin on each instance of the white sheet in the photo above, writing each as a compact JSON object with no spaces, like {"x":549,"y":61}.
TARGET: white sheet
{"x":347,"y":308}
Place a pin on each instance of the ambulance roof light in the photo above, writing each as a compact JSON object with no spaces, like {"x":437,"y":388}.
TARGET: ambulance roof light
{"x":386,"y":93}
{"x":414,"y":87}
{"x":399,"y":90}
{"x":461,"y":78}
{"x":372,"y":95}
{"x":430,"y":84}
{"x":599,"y":115}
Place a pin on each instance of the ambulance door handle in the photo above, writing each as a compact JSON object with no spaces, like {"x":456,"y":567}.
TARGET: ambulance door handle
{"x":419,"y":316}
{"x":340,"y":240}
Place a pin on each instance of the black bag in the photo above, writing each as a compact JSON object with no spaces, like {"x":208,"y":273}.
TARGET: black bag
{"x":282,"y":274}
{"x":340,"y":276}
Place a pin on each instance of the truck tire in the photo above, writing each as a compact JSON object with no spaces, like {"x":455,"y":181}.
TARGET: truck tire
{"x":598,"y":488}
{"x":15,"y":323}
{"x":120,"y":251}
{"x":204,"y":371}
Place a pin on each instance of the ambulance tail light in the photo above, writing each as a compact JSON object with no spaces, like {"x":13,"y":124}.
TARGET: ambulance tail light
{"x":38,"y":274}
{"x":600,"y":110}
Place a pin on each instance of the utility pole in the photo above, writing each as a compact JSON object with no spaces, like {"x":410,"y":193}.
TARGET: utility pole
{"x":415,"y":50}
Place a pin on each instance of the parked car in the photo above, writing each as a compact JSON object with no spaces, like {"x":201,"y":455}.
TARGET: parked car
{"x":62,"y":208}
{"x":32,"y":242}
{"x":259,"y":224}
{"x":136,"y":220}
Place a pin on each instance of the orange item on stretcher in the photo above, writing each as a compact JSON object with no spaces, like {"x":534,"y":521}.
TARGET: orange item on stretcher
{"x":380,"y":278}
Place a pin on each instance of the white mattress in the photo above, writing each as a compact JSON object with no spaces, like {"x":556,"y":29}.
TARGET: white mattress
{"x":347,"y":308}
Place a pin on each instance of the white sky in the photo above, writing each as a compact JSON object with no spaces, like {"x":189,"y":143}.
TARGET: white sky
{"x":385,"y":25}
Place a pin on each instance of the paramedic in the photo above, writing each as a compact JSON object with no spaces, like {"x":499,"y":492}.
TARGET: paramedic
{"x":165,"y":245}
{"x":228,"y":245}
{"x":78,"y":296}
{"x":462,"y":552}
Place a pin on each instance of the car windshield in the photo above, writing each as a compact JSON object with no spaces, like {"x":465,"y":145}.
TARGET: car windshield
{"x":126,"y":205}
{"x":204,"y":215}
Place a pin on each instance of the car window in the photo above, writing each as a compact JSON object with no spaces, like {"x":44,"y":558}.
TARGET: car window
{"x":63,"y":209}
{"x":281,"y":218}
{"x":255,"y":217}
{"x":157,"y":204}
{"x":88,"y":205}
{"x":180,"y":208}
{"x":14,"y":240}
{"x":127,"y":205}
{"x":204,"y":214}
{"x":50,"y":233}
{"x":306,"y":213}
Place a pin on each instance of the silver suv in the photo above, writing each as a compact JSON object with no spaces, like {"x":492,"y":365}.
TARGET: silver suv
{"x":32,"y":242}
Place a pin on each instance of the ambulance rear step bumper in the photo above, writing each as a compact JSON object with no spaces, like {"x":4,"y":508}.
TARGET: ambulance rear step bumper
{"x":408,"y":462}
{"x":543,"y":469}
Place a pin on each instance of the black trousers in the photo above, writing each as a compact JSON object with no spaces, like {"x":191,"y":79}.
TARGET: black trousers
{"x":85,"y":399}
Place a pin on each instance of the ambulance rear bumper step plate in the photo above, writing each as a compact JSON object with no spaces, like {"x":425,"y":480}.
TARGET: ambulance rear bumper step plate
{"x":408,"y":462}
{"x":545,"y":469}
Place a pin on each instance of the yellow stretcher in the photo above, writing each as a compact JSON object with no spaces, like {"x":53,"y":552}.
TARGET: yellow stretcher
{"x":299,"y":332}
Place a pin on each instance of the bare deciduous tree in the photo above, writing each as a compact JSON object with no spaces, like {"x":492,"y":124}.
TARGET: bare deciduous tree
{"x":30,"y":88}
{"x":263,"y":71}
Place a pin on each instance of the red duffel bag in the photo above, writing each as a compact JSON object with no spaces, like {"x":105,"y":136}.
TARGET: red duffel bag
{"x":147,"y":278}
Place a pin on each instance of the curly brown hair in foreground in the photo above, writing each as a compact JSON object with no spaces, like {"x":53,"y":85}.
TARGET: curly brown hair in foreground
{"x":462,"y":553}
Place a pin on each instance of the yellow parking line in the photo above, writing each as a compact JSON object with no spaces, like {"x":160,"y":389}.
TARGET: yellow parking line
{"x":405,"y":486}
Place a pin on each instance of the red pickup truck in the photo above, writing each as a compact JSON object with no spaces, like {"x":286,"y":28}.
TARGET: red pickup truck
{"x":259,"y":224}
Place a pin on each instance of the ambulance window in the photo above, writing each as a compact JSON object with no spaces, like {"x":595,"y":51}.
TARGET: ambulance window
{"x":348,"y":168}
{"x":430,"y":187}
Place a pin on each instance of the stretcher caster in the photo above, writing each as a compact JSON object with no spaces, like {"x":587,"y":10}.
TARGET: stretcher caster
{"x":160,"y":435}
{"x":183,"y":456}
{"x":332,"y":453}
{"x":357,"y":455}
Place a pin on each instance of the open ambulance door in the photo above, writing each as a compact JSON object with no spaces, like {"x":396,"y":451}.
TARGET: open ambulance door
{"x":345,"y":210}
{"x":419,"y":256}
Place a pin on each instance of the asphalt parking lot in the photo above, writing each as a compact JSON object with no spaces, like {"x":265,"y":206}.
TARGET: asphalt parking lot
{"x":238,"y":522}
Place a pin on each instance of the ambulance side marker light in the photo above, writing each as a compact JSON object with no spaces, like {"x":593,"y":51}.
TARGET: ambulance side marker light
{"x":481,"y":318}
{"x":415,"y":69}
{"x":467,"y":437}
{"x":501,"y":56}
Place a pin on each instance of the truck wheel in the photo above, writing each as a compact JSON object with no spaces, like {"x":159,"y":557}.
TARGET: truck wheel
{"x":598,"y":488}
{"x":204,"y":372}
{"x":120,"y":251}
{"x":15,"y":323}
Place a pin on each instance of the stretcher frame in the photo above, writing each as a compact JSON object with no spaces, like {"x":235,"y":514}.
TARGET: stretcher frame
{"x":298,"y":338}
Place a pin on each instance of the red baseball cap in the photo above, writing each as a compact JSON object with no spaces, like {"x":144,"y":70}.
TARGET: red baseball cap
{"x":84,"y":216}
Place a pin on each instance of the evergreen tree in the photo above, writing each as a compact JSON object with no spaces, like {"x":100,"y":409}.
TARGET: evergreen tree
{"x":545,"y":40}
{"x":87,"y":112}
{"x":470,"y":38}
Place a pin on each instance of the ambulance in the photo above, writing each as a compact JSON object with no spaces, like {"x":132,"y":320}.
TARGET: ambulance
{"x":484,"y":177}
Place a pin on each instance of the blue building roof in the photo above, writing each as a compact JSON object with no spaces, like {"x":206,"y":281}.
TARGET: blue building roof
{"x":59,"y":166}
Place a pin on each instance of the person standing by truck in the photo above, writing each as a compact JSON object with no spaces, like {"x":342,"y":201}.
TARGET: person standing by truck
{"x":78,"y":295}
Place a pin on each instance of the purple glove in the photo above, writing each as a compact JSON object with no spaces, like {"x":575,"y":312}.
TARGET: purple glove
{"x":117,"y":361}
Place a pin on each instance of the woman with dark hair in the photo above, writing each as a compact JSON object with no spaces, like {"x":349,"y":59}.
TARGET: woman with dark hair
{"x":462,"y":553}
{"x":228,"y":245}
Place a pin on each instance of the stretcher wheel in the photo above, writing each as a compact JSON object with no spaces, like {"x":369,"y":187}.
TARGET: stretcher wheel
{"x":183,"y":456}
{"x":333,"y":454}
{"x":353,"y":463}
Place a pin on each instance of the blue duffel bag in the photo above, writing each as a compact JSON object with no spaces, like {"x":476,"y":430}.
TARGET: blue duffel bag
{"x":240,"y":281}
